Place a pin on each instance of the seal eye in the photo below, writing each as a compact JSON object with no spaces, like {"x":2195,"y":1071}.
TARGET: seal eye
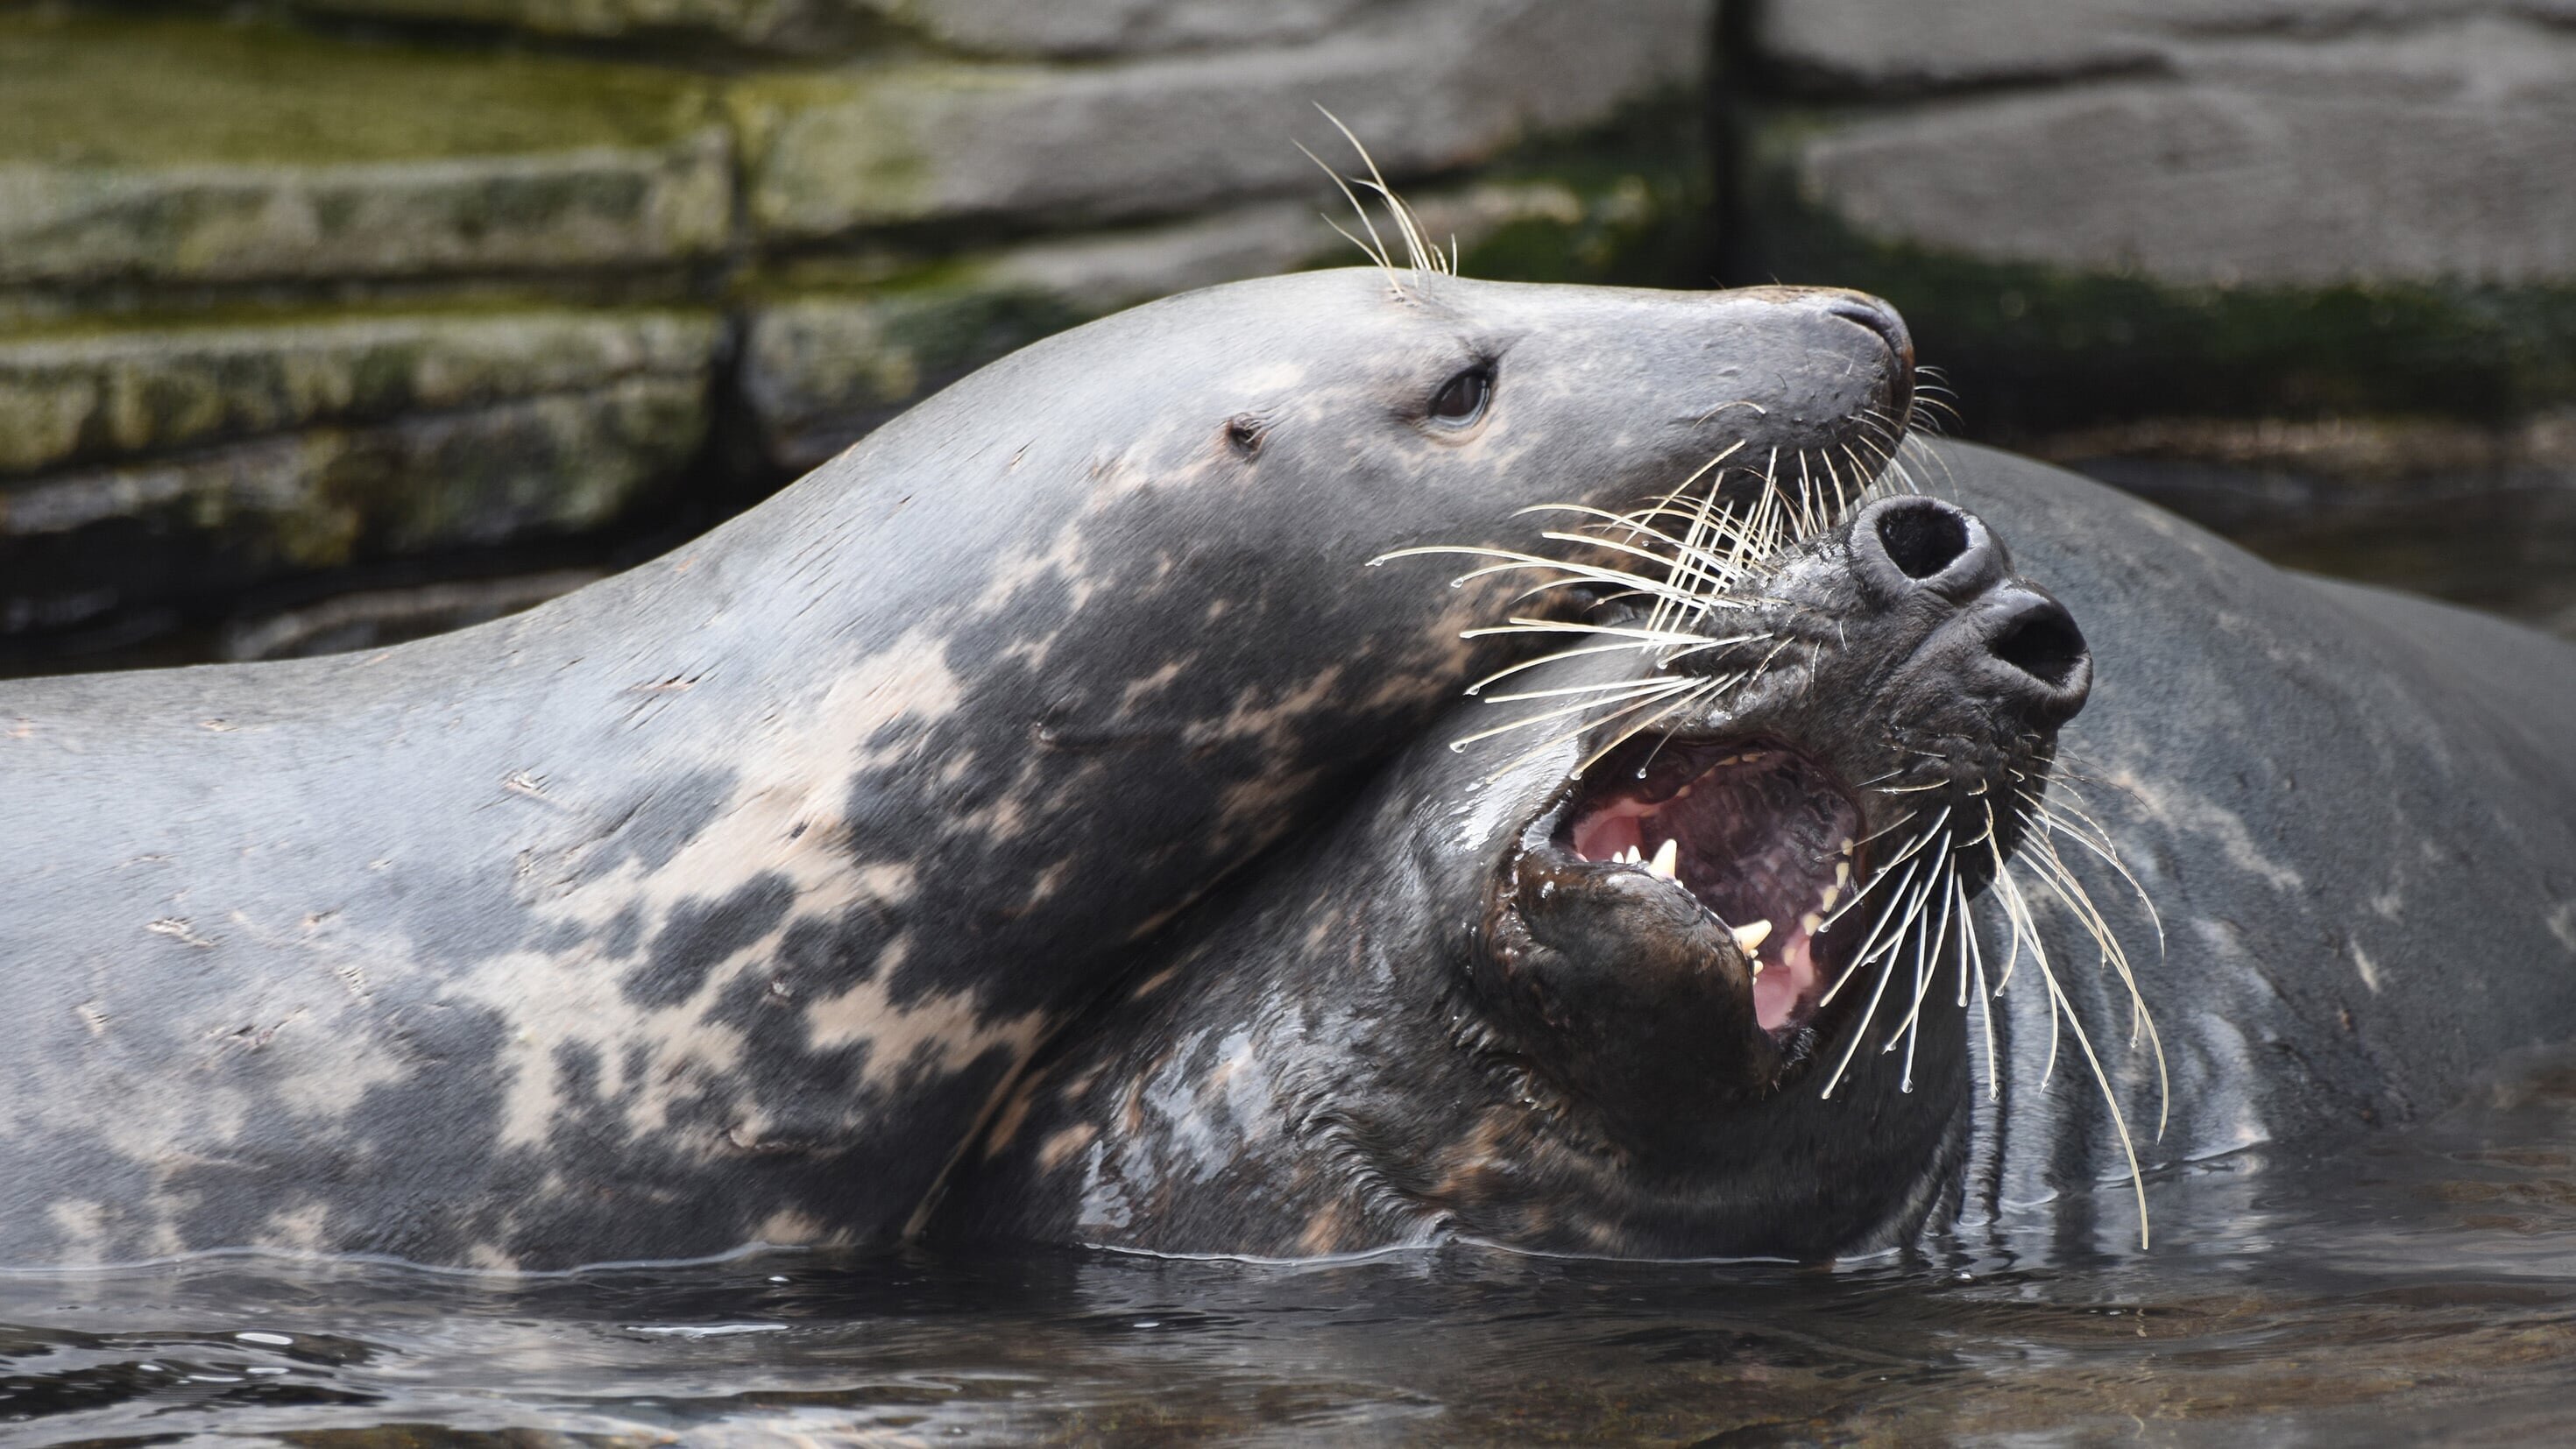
{"x":1462,"y":398}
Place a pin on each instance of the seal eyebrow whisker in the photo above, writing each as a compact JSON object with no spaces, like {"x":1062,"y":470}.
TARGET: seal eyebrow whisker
{"x":1425,"y":255}
{"x":1375,"y":246}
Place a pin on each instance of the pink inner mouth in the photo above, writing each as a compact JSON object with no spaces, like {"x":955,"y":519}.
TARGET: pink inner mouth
{"x":1759,"y":834}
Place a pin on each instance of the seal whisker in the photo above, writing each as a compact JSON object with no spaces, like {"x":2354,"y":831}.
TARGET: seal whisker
{"x":1588,"y":726}
{"x":1887,"y":968}
{"x":1651,"y":688}
{"x":2052,"y":872}
{"x":1574,"y":653}
{"x":1936,"y":884}
{"x":1871,"y":940}
{"x":1706,"y":689}
{"x":2119,"y":1116}
{"x":1973,"y":959}
{"x":1375,"y":247}
{"x":1425,"y":257}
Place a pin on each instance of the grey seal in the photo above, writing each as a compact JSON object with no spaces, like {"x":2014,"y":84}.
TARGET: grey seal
{"x":711,"y":904}
{"x":2328,"y":833}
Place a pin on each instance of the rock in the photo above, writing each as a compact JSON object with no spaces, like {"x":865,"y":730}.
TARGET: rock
{"x":826,"y":358}
{"x":372,"y":618}
{"x":1429,"y":86}
{"x":2368,"y":221}
{"x":111,"y":392}
{"x":1888,"y":46}
{"x":89,"y":543}
{"x":1115,"y":27}
{"x":1067,"y":28}
{"x":187,"y":151}
{"x":2481,"y":515}
{"x":793,"y":26}
{"x":2441,"y":153}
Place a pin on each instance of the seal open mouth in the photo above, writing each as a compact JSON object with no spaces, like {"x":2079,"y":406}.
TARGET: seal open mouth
{"x":1760,"y":835}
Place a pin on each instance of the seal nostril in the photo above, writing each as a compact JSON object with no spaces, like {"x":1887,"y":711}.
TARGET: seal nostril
{"x":2044,"y":644}
{"x":1924,"y":540}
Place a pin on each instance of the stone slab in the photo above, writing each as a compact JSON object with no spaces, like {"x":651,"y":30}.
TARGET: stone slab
{"x":1058,"y":28}
{"x":2442,"y":153}
{"x":1429,"y":86}
{"x":1116,"y":27}
{"x":792,"y":26}
{"x":191,"y":151}
{"x":94,"y":542}
{"x":123,"y":391}
{"x":2483,"y":515}
{"x":1898,"y":46}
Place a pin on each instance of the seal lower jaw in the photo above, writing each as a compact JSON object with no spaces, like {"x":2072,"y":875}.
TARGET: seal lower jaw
{"x":1758,"y":834}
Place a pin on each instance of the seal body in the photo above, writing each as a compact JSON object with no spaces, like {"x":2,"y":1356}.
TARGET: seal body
{"x":710,"y":904}
{"x":1583,"y":998}
{"x":2354,"y":813}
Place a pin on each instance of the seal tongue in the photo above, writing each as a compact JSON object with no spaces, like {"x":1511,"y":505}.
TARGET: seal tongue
{"x":1759,"y":834}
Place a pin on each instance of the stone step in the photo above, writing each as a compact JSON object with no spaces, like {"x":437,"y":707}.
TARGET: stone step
{"x":175,"y":150}
{"x":1428,"y":86}
{"x":86,"y":544}
{"x":76,"y":396}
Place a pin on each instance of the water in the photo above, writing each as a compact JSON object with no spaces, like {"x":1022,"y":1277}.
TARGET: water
{"x":2415,"y":1285}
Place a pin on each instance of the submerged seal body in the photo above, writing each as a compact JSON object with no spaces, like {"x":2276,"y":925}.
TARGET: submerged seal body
{"x":2354,"y":812}
{"x":710,"y":904}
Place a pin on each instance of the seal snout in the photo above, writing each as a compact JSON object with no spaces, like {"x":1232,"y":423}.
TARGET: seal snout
{"x":1871,"y":312}
{"x":2004,"y":639}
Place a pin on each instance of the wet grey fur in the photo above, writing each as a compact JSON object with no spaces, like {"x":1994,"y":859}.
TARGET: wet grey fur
{"x":711,"y":904}
{"x":2356,"y":812}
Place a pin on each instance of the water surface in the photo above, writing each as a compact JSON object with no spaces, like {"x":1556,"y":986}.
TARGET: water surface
{"x":2412,"y":1285}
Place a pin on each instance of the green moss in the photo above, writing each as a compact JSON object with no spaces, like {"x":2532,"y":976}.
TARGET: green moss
{"x":1641,"y":181}
{"x":127,"y":91}
{"x":2032,"y":348}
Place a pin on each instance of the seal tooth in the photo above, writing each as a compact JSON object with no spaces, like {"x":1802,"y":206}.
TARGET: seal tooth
{"x":1751,"y":937}
{"x":1668,"y":860}
{"x":1832,"y":894}
{"x":1812,"y":922}
{"x":1842,"y":869}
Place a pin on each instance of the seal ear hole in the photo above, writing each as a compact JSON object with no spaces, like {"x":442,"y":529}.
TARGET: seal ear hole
{"x":1923,"y":541}
{"x":1244,"y":433}
{"x":1462,"y":399}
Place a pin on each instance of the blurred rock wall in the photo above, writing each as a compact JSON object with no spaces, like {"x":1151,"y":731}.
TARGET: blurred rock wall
{"x":327,"y":321}
{"x":437,"y":299}
{"x":2305,"y":269}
